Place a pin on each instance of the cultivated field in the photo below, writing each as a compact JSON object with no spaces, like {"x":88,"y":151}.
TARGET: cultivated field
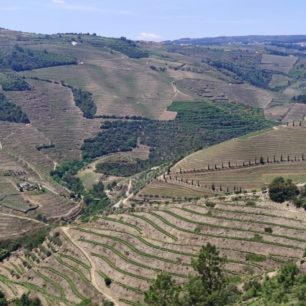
{"x":246,"y":163}
{"x":20,"y":161}
{"x":279,"y":141}
{"x":119,"y":86}
{"x":278,"y":63}
{"x":132,"y":248}
{"x":52,"y":111}
{"x":56,"y":272}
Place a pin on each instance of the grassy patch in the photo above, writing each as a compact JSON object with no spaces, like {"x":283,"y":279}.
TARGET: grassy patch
{"x":255,"y":257}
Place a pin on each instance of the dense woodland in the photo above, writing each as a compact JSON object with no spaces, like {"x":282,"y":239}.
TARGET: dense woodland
{"x":197,"y":125}
{"x":20,"y":59}
{"x":10,"y":112}
{"x":13,"y":82}
{"x":252,"y":74}
{"x":84,"y":100}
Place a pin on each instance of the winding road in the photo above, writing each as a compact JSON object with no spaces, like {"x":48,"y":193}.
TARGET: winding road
{"x":65,"y":229}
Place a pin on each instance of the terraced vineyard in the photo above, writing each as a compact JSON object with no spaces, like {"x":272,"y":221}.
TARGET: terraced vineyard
{"x":132,"y":248}
{"x":56,"y":271}
{"x":52,"y":111}
{"x":246,"y":163}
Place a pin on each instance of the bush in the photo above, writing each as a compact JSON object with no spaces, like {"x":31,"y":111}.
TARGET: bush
{"x":255,"y":257}
{"x":268,"y":230}
{"x":250,"y":203}
{"x":108,"y":281}
{"x":281,"y":190}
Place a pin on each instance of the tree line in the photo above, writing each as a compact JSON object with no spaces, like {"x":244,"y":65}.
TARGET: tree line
{"x":257,"y":161}
{"x":19,"y":59}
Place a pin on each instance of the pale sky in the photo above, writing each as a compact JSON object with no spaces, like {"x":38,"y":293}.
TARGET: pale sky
{"x":156,"y":19}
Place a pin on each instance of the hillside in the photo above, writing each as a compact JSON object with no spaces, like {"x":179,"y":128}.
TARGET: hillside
{"x":131,"y":248}
{"x":246,"y":163}
{"x":120,"y":159}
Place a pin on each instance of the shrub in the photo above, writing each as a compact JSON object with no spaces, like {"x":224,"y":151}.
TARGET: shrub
{"x":255,"y":257}
{"x":250,"y":203}
{"x":108,"y":281}
{"x":210,"y":204}
{"x":268,"y":230}
{"x":281,"y":190}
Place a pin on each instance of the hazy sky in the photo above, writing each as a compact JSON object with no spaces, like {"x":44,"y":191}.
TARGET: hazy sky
{"x":156,"y":19}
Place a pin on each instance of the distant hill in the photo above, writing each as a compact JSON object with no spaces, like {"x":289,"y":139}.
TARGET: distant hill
{"x":249,"y":39}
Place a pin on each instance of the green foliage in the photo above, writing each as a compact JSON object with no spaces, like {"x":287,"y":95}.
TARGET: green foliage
{"x":3,"y":301}
{"x":10,"y":112}
{"x":281,"y":190}
{"x":208,"y":287}
{"x":163,"y":292}
{"x":197,"y":125}
{"x":29,"y":242}
{"x":209,"y":266}
{"x":250,"y":203}
{"x":288,"y":287}
{"x":83,"y":99}
{"x":122,"y":45}
{"x":116,"y":136}
{"x":25,"y":300}
{"x":299,"y":99}
{"x":300,"y":200}
{"x":86,"y":302}
{"x":13,"y":82}
{"x":65,"y":175}
{"x":248,"y":73}
{"x":108,"y":281}
{"x":4,"y":253}
{"x":268,"y":230}
{"x":34,"y":240}
{"x":95,"y":199}
{"x":255,"y":257}
{"x":20,"y":59}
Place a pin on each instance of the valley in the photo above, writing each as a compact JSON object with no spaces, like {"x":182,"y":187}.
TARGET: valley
{"x":120,"y":159}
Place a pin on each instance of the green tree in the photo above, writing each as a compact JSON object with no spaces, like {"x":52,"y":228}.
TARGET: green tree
{"x":163,"y":292}
{"x":3,"y":301}
{"x":281,"y":190}
{"x":209,"y":267}
{"x":209,"y":286}
{"x":25,"y":300}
